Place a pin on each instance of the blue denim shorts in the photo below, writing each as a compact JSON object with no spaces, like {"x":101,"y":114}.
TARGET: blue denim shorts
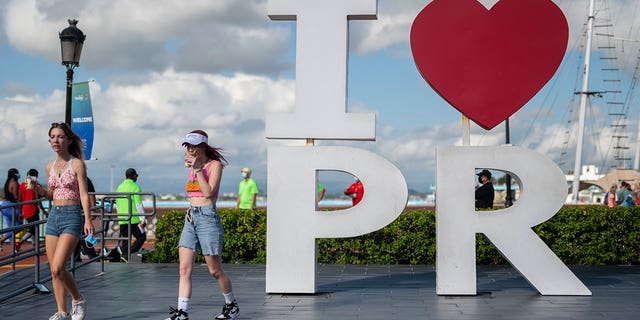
{"x":65,"y":219}
{"x":203,"y":230}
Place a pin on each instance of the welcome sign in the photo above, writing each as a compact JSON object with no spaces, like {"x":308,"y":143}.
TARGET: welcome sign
{"x":321,"y":76}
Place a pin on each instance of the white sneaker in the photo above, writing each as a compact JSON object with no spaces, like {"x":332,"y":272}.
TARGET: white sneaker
{"x":229,"y":311}
{"x":78,"y":308}
{"x":60,"y":316}
{"x":177,"y":314}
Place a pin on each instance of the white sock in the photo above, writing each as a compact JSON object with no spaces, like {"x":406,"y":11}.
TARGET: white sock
{"x":183,"y":304}
{"x":228,"y":297}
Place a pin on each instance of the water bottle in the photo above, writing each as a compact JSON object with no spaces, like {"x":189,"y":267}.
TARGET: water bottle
{"x":90,"y":239}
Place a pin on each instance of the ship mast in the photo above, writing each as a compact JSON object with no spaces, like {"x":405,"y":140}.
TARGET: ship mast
{"x":584,"y":95}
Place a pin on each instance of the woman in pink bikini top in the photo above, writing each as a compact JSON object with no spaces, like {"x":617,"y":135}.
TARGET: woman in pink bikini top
{"x":205,"y":171}
{"x":64,"y":185}
{"x":202,"y":229}
{"x":69,"y":216}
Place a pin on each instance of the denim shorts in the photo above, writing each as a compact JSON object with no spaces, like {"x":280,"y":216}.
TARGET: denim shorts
{"x":65,"y":219}
{"x":203,"y":230}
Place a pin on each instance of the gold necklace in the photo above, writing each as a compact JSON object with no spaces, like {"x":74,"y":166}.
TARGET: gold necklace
{"x":60,"y":165}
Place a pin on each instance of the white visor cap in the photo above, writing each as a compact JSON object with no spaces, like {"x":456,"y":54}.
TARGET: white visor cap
{"x":195,"y":139}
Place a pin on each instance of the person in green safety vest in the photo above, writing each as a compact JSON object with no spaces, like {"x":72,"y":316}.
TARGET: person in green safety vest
{"x":134,"y":202}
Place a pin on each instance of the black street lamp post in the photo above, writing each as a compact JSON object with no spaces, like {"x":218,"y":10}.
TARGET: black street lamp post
{"x":71,"y":41}
{"x":509,"y":197}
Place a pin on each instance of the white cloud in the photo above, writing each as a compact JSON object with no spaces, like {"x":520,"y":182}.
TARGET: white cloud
{"x":142,"y":34}
{"x":14,"y":138}
{"x":141,"y":125}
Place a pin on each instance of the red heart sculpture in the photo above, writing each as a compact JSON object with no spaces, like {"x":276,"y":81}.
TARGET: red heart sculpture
{"x":489,"y":63}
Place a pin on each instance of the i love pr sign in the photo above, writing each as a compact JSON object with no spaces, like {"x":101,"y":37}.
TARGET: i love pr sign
{"x":487,"y":64}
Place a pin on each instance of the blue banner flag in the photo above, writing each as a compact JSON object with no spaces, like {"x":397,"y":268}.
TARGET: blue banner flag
{"x":82,"y":116}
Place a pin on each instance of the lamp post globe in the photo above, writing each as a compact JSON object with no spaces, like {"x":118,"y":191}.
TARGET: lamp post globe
{"x":71,"y":41}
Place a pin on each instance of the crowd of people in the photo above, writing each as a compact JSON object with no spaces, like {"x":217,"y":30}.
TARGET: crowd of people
{"x":624,"y":196}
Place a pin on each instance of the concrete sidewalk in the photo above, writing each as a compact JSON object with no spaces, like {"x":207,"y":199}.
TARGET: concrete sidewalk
{"x":145,"y":291}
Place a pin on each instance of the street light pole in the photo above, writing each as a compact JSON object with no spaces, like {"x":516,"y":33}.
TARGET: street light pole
{"x":508,"y":198}
{"x":71,"y":41}
{"x":67,"y":110}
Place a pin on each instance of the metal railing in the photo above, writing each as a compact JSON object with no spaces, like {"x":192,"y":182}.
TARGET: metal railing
{"x":104,"y":210}
{"x":17,"y":256}
{"x":108,"y":215}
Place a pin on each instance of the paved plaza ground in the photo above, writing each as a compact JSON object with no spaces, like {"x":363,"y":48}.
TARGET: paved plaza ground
{"x":145,"y":291}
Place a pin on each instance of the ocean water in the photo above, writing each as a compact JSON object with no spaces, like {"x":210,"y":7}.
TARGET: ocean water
{"x":262,"y":203}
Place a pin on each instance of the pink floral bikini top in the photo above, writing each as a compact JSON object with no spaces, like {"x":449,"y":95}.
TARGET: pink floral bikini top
{"x":64,"y":185}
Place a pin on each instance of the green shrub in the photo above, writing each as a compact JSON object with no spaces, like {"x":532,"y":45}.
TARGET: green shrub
{"x":577,"y":234}
{"x":594,"y":235}
{"x":167,"y":233}
{"x":409,"y":239}
{"x":244,"y":240}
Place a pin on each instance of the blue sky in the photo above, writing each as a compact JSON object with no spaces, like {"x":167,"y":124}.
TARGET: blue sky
{"x":222,"y":65}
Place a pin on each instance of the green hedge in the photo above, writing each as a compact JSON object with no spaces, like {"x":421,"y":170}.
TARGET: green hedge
{"x":593,"y":235}
{"x":244,"y":240}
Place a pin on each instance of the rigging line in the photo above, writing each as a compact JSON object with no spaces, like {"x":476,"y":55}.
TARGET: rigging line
{"x":599,"y":149}
{"x":597,"y":10}
{"x":569,"y":116}
{"x":631,"y":98}
{"x":636,"y":159}
{"x":630,"y":89}
{"x":617,"y":117}
{"x":618,"y":110}
{"x":634,"y":80}
{"x":547,"y":115}
{"x":549,"y":106}
{"x":565,"y":115}
{"x":544,"y":105}
{"x":584,"y":100}
{"x":632,"y":86}
{"x":579,"y":42}
{"x":595,"y":132}
{"x":567,"y":132}
{"x":524,"y":141}
{"x":635,"y":9}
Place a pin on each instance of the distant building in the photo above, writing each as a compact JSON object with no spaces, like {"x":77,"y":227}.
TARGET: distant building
{"x":589,"y":173}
